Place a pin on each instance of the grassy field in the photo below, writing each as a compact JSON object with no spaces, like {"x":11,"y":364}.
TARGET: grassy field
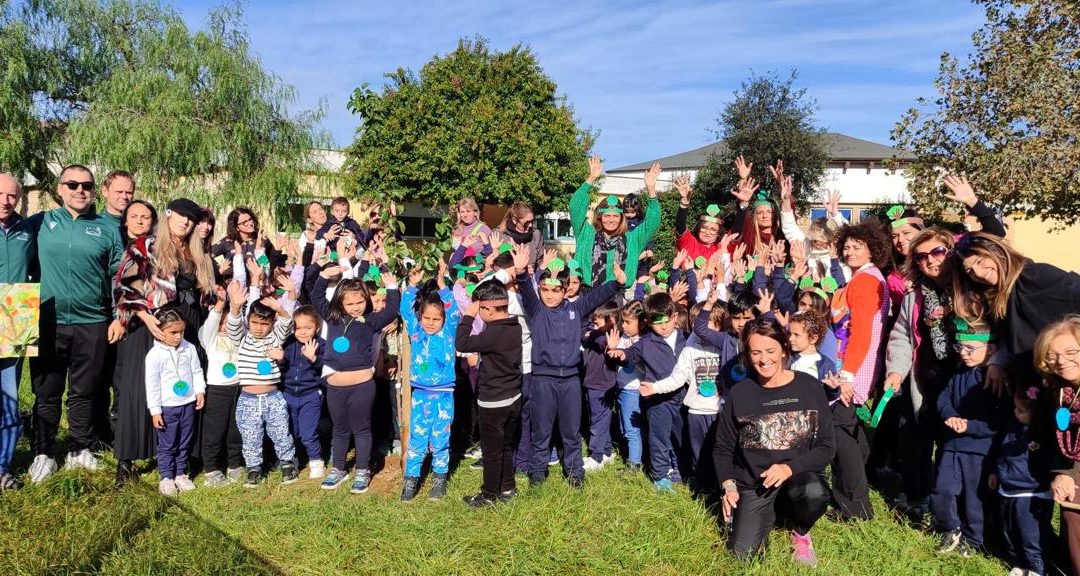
{"x":77,"y":523}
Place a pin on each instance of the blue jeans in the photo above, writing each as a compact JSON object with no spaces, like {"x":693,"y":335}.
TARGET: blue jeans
{"x":10,"y":421}
{"x":630,"y":422}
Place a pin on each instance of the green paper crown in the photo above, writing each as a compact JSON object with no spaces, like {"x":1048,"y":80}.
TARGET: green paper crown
{"x":700,"y":262}
{"x":829,"y":284}
{"x":712,"y":210}
{"x":505,"y":247}
{"x":555,"y":266}
{"x":611,"y":206}
{"x":662,"y":275}
{"x":806,"y":283}
{"x":573,"y":264}
{"x":762,"y":197}
{"x":895,"y":212}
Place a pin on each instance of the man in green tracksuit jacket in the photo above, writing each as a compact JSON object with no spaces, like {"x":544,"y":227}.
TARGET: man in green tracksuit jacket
{"x":78,"y":254}
{"x":605,"y":242}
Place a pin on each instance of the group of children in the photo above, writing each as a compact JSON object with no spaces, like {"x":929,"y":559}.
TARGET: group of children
{"x":652,"y":361}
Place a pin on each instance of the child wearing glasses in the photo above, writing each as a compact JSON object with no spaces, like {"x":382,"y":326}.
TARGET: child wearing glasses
{"x":175,"y":389}
{"x":971,"y":414}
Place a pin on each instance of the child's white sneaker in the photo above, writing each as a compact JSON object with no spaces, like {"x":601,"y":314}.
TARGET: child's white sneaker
{"x":184,"y":484}
{"x":42,"y":467}
{"x":316,"y":469}
{"x":592,"y":464}
{"x":167,"y":487}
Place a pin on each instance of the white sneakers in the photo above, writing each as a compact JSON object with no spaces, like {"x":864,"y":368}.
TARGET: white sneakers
{"x":167,"y":488}
{"x":42,"y":467}
{"x":183,"y":483}
{"x":591,"y":464}
{"x":316,"y":469}
{"x":82,"y":459}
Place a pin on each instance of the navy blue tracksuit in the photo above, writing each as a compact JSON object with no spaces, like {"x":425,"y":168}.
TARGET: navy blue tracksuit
{"x":555,"y":388}
{"x":301,"y":379}
{"x":1023,"y":459}
{"x":961,"y":471}
{"x":663,"y":412}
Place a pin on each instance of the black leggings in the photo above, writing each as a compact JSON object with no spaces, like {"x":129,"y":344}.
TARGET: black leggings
{"x":799,"y":503}
{"x":350,"y":412}
{"x":219,"y":432}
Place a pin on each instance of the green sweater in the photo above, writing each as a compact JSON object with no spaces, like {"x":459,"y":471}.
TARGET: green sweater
{"x":78,"y":259}
{"x":17,"y":250}
{"x":585,"y":236}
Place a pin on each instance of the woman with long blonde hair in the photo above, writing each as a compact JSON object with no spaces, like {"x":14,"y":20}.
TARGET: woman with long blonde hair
{"x":168,"y":268}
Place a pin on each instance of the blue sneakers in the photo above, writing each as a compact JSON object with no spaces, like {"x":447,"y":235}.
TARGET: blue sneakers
{"x":334,"y":479}
{"x":360,"y":483}
{"x":664,"y":485}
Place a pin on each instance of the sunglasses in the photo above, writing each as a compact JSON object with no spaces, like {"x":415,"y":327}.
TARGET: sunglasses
{"x":526,"y":223}
{"x":74,"y":185}
{"x":938,"y":252}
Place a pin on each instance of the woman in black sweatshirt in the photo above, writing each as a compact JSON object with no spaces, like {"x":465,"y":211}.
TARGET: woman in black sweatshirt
{"x":774,"y":439}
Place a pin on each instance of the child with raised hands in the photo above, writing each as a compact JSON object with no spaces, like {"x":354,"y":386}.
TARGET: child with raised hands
{"x":431,"y":318}
{"x":175,"y":389}
{"x":261,"y":406}
{"x":556,"y":328}
{"x":698,"y":369}
{"x":499,"y":393}
{"x":220,"y":436}
{"x":349,"y":368}
{"x":301,"y":365}
{"x":599,"y":383}
{"x":657,"y":351}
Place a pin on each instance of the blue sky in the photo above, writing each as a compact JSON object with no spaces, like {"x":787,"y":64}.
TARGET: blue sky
{"x":651,"y":77}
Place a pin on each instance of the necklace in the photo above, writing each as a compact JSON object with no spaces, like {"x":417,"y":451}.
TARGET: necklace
{"x":1068,"y":442}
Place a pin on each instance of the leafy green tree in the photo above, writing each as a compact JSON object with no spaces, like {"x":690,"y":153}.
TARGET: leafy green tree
{"x":1008,"y":116}
{"x":768,"y":119}
{"x":475,"y":122}
{"x":125,"y":84}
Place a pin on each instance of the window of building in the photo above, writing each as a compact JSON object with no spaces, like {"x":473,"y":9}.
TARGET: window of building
{"x":556,"y":227}
{"x":816,"y":213}
{"x":419,"y":226}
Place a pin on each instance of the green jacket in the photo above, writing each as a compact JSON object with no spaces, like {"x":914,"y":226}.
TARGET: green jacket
{"x":78,"y":260}
{"x":585,"y":236}
{"x":18,"y":250}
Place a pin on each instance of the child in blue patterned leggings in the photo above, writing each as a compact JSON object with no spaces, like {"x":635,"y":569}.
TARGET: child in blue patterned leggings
{"x":431,"y":317}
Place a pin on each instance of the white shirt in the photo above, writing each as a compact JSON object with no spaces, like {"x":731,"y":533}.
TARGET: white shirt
{"x":173,"y":376}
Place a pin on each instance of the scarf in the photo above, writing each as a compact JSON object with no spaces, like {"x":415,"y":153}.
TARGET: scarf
{"x":935,"y":308}
{"x":520,"y":237}
{"x":604,"y":247}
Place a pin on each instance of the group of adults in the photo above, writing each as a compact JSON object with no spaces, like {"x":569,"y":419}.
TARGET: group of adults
{"x":104,"y":274}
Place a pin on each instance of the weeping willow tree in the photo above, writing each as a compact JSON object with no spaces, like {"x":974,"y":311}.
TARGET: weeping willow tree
{"x":125,"y":84}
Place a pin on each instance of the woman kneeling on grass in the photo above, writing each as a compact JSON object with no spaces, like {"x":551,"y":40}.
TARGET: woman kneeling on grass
{"x":774,"y":439}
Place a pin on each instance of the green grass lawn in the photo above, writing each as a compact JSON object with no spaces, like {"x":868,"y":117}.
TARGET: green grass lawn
{"x":77,"y":523}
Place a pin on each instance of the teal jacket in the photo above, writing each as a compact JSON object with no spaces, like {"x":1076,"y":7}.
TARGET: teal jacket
{"x":18,"y":250}
{"x":78,"y":260}
{"x":585,"y":236}
{"x":433,"y":361}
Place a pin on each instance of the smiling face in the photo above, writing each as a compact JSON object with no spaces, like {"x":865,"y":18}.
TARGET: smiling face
{"x":856,"y":253}
{"x":81,"y":198}
{"x":316,"y":215}
{"x":552,"y":296}
{"x":708,"y":232}
{"x":9,"y":196}
{"x":205,"y":229}
{"x":466,"y":214}
{"x":763,"y":215}
{"x":929,"y":256}
{"x":432,"y":319}
{"x":304,"y":328}
{"x":901,"y":238}
{"x":766,"y":356}
{"x":1064,"y":357}
{"x":981,"y":269}
{"x":138,"y":221}
{"x":610,"y":222}
{"x":378,"y":301}
{"x":353,"y":303}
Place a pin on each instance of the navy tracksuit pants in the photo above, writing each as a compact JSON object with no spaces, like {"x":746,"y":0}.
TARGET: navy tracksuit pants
{"x":551,"y":398}
{"x":304,"y":414}
{"x":1028,"y":533}
{"x":663,"y":413}
{"x":959,"y":477}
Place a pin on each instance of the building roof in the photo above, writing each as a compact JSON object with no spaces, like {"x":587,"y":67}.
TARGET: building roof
{"x":841,"y":148}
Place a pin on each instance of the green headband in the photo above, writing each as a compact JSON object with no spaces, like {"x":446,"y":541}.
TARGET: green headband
{"x":381,"y":291}
{"x":505,"y":247}
{"x":762,"y":198}
{"x":659,"y":318}
{"x":964,"y":332}
{"x":711,"y":214}
{"x":896,"y":214}
{"x":612,"y":206}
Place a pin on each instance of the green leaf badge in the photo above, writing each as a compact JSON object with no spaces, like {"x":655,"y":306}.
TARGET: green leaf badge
{"x":505,"y":247}
{"x":555,"y":266}
{"x":700,"y":262}
{"x":662,"y":276}
{"x":806,"y":283}
{"x":829,"y":284}
{"x":895,"y":212}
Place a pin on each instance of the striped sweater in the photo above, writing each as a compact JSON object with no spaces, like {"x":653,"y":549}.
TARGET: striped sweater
{"x":253,"y":367}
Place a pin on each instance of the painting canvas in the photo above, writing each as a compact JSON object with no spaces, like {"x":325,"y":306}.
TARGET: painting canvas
{"x":19,"y":319}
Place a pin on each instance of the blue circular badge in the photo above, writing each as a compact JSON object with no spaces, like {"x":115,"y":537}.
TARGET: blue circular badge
{"x":181,"y":388}
{"x":738,"y":373}
{"x":341,"y":344}
{"x":707,"y":388}
{"x":265,"y":367}
{"x":229,"y":369}
{"x":1062,"y":417}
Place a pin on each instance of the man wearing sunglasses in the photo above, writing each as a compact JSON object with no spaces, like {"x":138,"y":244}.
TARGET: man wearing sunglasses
{"x":78,"y":254}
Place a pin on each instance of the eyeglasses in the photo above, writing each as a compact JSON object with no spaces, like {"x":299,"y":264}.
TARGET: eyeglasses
{"x":938,"y":252}
{"x":1068,"y":356}
{"x":74,"y":185}
{"x":968,"y":349}
{"x":245,"y":222}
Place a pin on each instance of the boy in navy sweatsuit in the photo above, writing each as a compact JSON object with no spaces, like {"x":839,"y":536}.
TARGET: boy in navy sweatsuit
{"x":657,"y":351}
{"x":556,"y":327}
{"x":971,"y":414}
{"x":301,"y":370}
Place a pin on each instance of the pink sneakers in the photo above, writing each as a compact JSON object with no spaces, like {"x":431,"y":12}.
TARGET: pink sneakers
{"x":803,"y":549}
